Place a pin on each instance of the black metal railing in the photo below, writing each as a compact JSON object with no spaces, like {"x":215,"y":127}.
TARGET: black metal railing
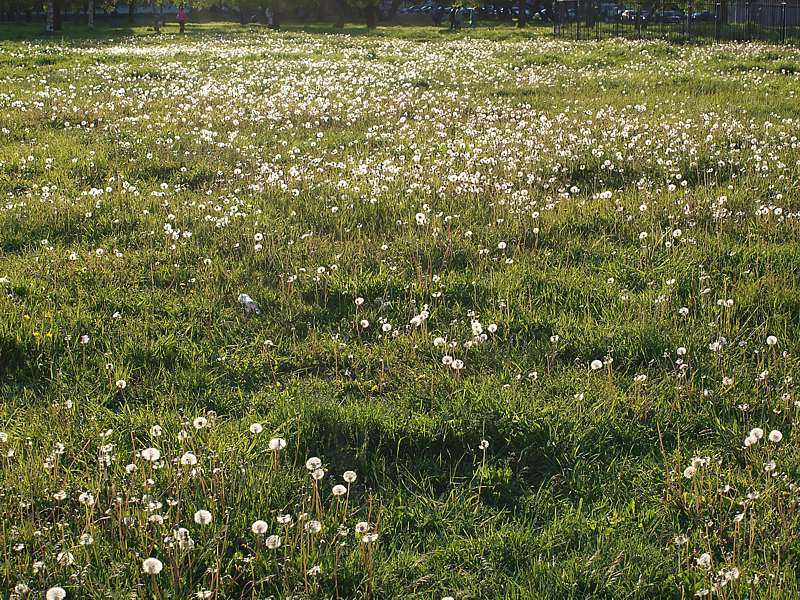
{"x":740,"y":20}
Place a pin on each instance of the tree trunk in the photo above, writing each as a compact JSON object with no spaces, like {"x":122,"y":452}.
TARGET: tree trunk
{"x":51,"y":16}
{"x":523,"y":18}
{"x":91,"y":14}
{"x":57,"y":15}
{"x":341,"y":7}
{"x":276,"y":19}
{"x":131,"y":10}
{"x":372,"y":16}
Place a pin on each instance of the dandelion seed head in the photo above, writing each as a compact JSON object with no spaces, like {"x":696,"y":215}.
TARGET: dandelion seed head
{"x":55,"y":593}
{"x":152,"y":566}
{"x":259,"y":527}
{"x":151,"y":454}
{"x":202,"y":517}
{"x":277,"y":444}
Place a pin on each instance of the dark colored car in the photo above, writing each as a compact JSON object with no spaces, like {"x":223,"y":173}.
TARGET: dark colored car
{"x":669,"y":16}
{"x":704,"y":17}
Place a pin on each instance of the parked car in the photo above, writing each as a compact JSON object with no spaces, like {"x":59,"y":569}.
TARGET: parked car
{"x":630,"y":15}
{"x":668,"y":16}
{"x":704,"y":16}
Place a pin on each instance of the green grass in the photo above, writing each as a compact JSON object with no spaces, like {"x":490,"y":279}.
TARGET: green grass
{"x":578,"y":196}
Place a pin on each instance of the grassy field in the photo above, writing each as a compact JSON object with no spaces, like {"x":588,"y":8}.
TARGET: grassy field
{"x":533,"y":304}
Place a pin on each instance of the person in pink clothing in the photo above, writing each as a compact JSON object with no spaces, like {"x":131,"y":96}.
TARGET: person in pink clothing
{"x":182,"y":18}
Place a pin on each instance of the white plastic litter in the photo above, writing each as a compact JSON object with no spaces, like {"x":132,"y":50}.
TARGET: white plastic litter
{"x":249,"y":304}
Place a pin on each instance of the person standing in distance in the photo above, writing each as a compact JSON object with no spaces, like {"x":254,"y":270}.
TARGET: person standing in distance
{"x":182,"y":18}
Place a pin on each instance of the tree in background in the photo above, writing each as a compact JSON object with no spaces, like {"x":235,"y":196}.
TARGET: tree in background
{"x":522,"y":19}
{"x":58,"y":14}
{"x":340,"y":8}
{"x":370,"y":9}
{"x":393,"y":8}
{"x":51,"y":16}
{"x":275,"y":7}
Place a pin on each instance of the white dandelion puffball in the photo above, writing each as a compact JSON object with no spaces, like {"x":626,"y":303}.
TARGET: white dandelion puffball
{"x":313,"y":526}
{"x":188,"y":459}
{"x":775,"y":436}
{"x":151,"y":454}
{"x":152,"y":566}
{"x":596,"y":364}
{"x":256,"y":428}
{"x":273,"y":542}
{"x":86,"y":498}
{"x":202,"y":517}
{"x":349,"y":476}
{"x":771,"y":340}
{"x":339,"y":490}
{"x":704,"y":560}
{"x":65,"y":559}
{"x":121,"y":384}
{"x":200,"y":422}
{"x":259,"y":527}
{"x":313,"y":463}
{"x":362,"y":527}
{"x":277,"y":444}
{"x":56,"y":593}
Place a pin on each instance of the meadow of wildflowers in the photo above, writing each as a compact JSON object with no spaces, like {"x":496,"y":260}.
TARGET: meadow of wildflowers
{"x":296,"y":315}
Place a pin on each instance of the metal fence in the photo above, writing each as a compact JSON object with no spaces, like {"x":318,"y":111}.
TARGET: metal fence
{"x":679,"y":21}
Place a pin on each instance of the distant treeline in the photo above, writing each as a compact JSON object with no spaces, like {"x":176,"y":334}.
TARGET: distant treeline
{"x":52,"y":13}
